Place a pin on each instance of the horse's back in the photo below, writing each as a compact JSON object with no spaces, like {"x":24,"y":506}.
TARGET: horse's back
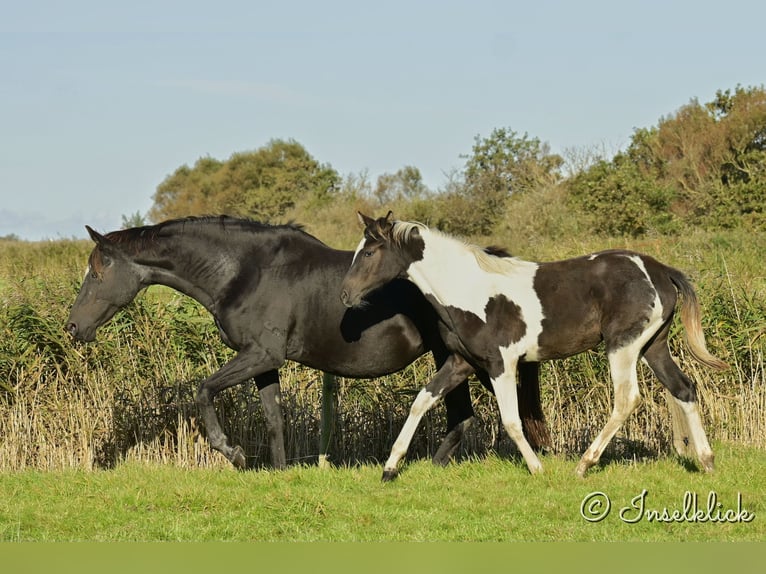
{"x":606,"y":294}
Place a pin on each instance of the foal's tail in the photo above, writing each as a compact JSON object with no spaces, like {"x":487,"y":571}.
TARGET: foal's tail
{"x":690,"y":317}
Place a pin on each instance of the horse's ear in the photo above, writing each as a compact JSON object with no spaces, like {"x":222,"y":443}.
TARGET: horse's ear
{"x":364,"y":220}
{"x":96,"y":236}
{"x":389,"y":216}
{"x":106,"y":245}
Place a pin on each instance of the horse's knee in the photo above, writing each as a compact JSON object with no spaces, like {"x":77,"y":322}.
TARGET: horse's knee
{"x":203,"y":396}
{"x":424,"y":401}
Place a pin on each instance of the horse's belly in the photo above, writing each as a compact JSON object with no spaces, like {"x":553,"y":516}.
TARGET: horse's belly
{"x":560,"y":345}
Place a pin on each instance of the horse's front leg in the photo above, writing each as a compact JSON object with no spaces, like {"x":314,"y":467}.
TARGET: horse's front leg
{"x":245,"y":365}
{"x":451,"y":374}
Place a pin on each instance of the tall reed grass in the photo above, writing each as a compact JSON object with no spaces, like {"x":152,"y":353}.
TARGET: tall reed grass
{"x":130,"y":396}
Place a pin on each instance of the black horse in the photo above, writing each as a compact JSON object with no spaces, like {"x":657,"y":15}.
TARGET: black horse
{"x":272,"y":290}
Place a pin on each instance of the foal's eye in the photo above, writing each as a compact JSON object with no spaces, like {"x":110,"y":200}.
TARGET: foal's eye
{"x":367,"y":253}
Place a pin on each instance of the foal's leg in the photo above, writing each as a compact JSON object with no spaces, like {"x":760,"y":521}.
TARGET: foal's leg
{"x":452,"y":373}
{"x":508,"y":403}
{"x":683,"y":402}
{"x":246,"y":364}
{"x":622,"y":365}
{"x":271,"y":403}
{"x":530,"y":407}
{"x":682,"y":435}
{"x":459,"y":410}
{"x":460,"y":415}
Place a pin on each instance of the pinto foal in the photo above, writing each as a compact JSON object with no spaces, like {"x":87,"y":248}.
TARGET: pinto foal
{"x":501,"y":311}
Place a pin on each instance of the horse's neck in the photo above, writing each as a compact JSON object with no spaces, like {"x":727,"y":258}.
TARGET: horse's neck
{"x":447,"y":271}
{"x":194,"y":270}
{"x":463,"y":276}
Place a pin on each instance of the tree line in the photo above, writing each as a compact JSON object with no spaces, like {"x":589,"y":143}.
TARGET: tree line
{"x":703,"y":165}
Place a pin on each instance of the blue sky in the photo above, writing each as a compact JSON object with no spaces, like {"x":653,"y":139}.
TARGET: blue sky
{"x":100,"y":101}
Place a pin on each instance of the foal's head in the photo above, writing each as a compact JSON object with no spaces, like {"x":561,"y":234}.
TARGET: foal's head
{"x":385,"y":252}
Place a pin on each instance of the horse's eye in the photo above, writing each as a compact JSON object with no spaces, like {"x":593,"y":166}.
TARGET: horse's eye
{"x":368,"y":253}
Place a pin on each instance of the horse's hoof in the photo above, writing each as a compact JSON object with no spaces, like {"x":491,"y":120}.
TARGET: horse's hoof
{"x":389,"y":475}
{"x":237,"y":458}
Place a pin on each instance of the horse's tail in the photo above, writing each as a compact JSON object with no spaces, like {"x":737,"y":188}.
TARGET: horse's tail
{"x":690,"y":317}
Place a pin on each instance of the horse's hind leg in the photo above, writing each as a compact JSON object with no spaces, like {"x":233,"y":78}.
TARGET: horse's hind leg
{"x":271,"y":403}
{"x":688,"y":432}
{"x":454,"y":371}
{"x":242,"y":367}
{"x":682,"y":437}
{"x":622,"y":366}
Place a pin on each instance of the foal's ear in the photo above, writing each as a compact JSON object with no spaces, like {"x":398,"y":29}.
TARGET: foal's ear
{"x":364,"y":220}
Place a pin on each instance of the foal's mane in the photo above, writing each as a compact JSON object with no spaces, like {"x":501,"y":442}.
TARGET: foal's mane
{"x":491,"y":259}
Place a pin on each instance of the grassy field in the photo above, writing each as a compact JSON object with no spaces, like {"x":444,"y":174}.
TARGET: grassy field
{"x":493,"y":499}
{"x":102,"y":442}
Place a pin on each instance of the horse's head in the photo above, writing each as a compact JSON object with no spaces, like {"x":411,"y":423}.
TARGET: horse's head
{"x":111,"y":282}
{"x":380,"y":258}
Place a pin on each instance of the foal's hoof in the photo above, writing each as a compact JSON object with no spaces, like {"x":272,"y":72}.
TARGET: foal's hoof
{"x":237,"y":458}
{"x":581,"y":470}
{"x":389,"y":475}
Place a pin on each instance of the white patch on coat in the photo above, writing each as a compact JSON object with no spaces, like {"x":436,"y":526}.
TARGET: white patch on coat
{"x":450,"y":272}
{"x":640,"y":264}
{"x":358,"y":249}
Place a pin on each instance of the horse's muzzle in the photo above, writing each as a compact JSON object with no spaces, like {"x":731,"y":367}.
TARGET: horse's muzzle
{"x":78,"y":335}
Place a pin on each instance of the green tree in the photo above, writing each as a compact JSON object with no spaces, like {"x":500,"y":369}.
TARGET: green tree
{"x":500,"y":165}
{"x":188,"y":191}
{"x":133,"y":220}
{"x":506,"y":163}
{"x":262,"y":184}
{"x":705,"y":165}
{"x":406,"y":183}
{"x":620,"y":200}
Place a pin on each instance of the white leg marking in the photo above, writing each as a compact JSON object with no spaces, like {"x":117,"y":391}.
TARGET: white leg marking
{"x":508,"y":404}
{"x":424,"y":401}
{"x":682,"y":436}
{"x":622,"y":366}
{"x":697,"y":435}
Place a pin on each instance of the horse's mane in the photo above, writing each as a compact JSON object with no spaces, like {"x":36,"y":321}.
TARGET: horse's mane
{"x":492,"y":259}
{"x":147,"y":234}
{"x":139,"y":239}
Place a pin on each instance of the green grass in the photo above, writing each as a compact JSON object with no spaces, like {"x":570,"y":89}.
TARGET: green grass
{"x":481,"y":500}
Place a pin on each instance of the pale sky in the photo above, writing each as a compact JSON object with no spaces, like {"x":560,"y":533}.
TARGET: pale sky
{"x":100,"y":101}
